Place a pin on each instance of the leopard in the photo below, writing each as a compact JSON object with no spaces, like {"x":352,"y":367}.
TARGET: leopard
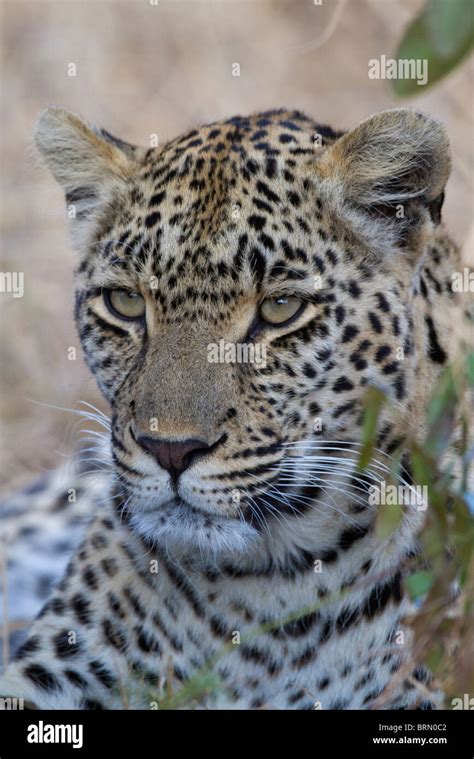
{"x":235,"y":541}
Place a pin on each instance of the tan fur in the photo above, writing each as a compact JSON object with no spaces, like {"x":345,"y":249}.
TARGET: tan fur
{"x":223,"y":218}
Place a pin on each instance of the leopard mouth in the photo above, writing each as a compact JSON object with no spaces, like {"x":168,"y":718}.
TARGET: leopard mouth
{"x":209,"y":518}
{"x":268,"y":505}
{"x":178,"y":504}
{"x":183,"y":527}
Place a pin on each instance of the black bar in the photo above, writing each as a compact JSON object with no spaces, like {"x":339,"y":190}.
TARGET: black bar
{"x":314,"y":734}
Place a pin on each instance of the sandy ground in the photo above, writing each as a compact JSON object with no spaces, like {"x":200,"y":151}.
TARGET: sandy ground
{"x":144,"y":69}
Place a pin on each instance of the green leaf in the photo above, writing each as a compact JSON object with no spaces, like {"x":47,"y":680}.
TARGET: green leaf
{"x":387,"y":520}
{"x":443,"y":34}
{"x":470,"y":369}
{"x":374,"y":400}
{"x":442,"y":414}
{"x":418,"y":584}
{"x":203,"y":684}
{"x":448,"y":25}
{"x":434,"y":659}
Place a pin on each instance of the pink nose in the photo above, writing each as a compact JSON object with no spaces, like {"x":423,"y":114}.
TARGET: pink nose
{"x":174,"y":456}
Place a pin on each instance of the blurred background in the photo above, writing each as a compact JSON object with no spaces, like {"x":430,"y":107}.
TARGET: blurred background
{"x":146,"y":67}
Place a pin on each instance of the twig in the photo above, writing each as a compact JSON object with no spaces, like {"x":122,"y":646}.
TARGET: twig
{"x":5,"y":627}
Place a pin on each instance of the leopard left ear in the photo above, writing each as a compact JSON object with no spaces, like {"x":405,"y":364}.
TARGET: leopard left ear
{"x":388,"y":175}
{"x":93,"y":167}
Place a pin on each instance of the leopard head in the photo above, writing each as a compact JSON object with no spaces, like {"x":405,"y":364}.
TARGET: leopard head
{"x":238,"y":289}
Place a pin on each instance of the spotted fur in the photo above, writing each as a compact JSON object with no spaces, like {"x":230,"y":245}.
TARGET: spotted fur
{"x":261,"y":557}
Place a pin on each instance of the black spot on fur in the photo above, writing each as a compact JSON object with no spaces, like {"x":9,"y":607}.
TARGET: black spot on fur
{"x":436,"y":352}
{"x":30,"y":646}
{"x":90,"y":578}
{"x":147,"y":642}
{"x":152,"y":219}
{"x":41,"y":677}
{"x":381,"y":595}
{"x":75,"y":678}
{"x":375,"y":322}
{"x":114,"y":636}
{"x":103,"y":675}
{"x":81,"y":608}
{"x":342,"y":384}
{"x":298,"y":627}
{"x":349,"y":333}
{"x":91,"y":705}
{"x":351,"y":535}
{"x":64,"y":648}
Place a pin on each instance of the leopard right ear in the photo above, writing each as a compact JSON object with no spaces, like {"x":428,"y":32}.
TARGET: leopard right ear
{"x":91,"y":165}
{"x":387,"y":177}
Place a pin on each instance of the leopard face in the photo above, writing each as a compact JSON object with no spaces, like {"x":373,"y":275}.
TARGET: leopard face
{"x":237,"y":292}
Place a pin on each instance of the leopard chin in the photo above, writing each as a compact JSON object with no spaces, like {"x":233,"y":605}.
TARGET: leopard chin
{"x":185,"y":532}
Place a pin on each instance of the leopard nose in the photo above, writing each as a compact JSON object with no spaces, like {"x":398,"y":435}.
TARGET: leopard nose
{"x":174,"y":456}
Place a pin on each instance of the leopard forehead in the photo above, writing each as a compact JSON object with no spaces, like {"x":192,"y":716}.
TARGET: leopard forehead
{"x":255,"y":200}
{"x":271,"y":188}
{"x":227,"y":194}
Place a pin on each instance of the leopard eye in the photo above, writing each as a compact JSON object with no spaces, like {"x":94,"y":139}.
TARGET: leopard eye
{"x":125,"y":304}
{"x":280,"y":310}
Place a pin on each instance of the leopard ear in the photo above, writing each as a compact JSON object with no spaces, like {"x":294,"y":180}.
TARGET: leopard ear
{"x":90,"y":165}
{"x":388,"y":175}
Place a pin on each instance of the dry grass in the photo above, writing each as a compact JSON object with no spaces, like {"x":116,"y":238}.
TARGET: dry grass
{"x":143,"y":69}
